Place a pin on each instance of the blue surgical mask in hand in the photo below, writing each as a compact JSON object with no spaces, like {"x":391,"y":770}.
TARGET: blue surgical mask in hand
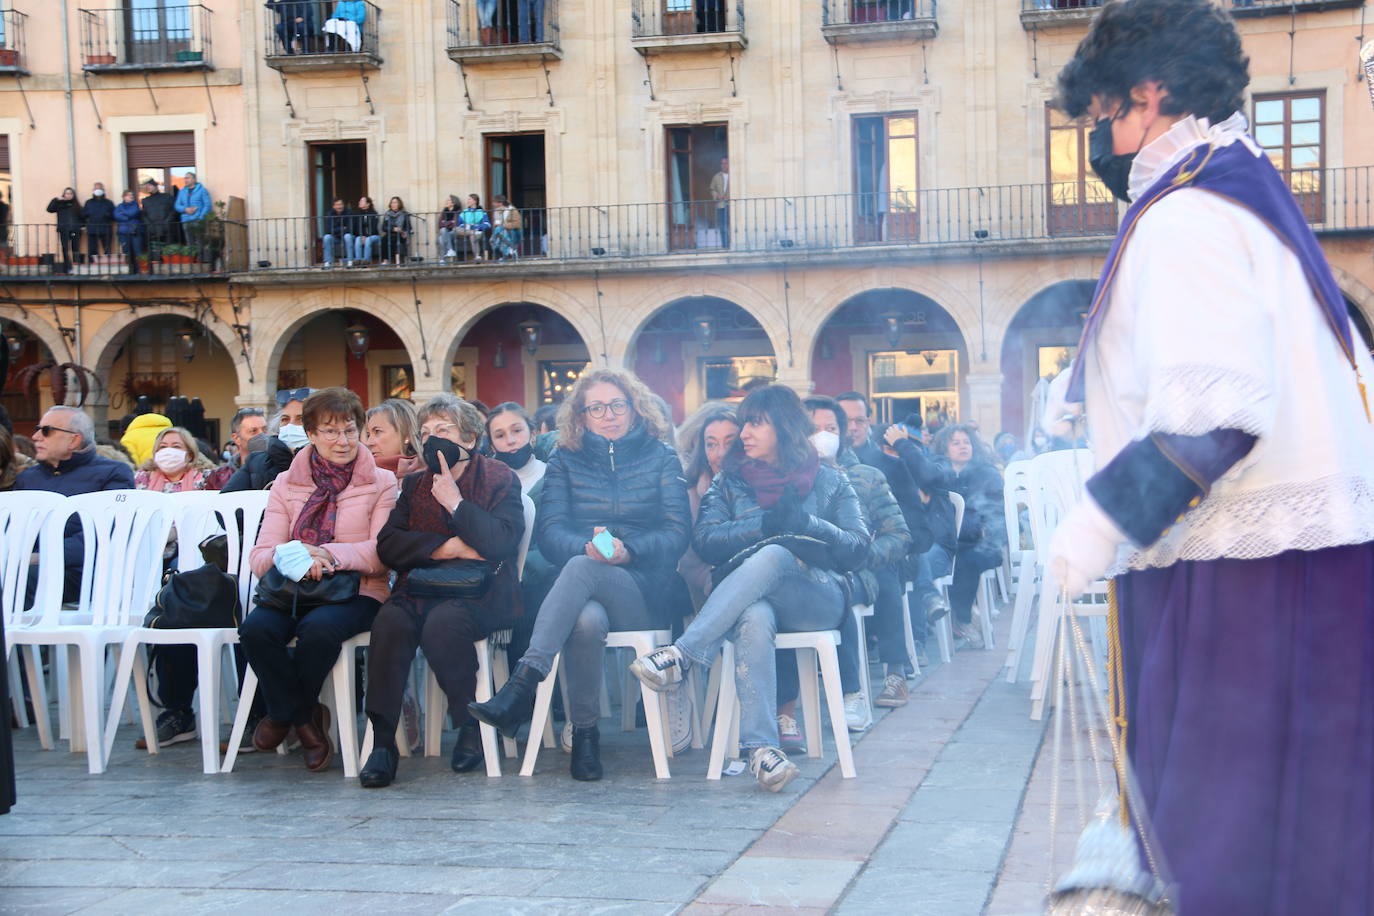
{"x":292,"y":560}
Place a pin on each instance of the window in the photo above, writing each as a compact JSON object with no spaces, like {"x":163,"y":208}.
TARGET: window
{"x":885,"y":178}
{"x":1079,"y":203}
{"x":556,"y":378}
{"x":902,"y":382}
{"x":515,"y":168}
{"x":1290,"y":128}
{"x":6,"y":192}
{"x":399,"y":381}
{"x":699,"y":190}
{"x":159,"y":31}
{"x":164,"y":157}
{"x":730,"y":378}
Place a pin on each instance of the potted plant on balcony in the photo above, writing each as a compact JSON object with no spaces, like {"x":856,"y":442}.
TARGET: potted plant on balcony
{"x":9,"y":57}
{"x":100,"y":60}
{"x":190,"y":57}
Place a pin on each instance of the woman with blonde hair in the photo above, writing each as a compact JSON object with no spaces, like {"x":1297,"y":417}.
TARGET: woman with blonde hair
{"x":176,"y":464}
{"x":392,"y":435}
{"x":614,"y":520}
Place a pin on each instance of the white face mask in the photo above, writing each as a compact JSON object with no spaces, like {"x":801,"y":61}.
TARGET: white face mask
{"x":97,"y":193}
{"x":294,"y":436}
{"x":827,"y":444}
{"x":170,"y":460}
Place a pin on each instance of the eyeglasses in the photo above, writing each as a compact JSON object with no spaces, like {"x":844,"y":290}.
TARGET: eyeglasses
{"x":442,"y":432}
{"x":619,"y":407}
{"x":287,"y":395}
{"x":46,"y":431}
{"x":333,"y":435}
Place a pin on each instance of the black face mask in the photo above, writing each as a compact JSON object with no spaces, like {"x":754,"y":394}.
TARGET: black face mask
{"x":518,"y":458}
{"x":453,"y":453}
{"x":1114,"y":170}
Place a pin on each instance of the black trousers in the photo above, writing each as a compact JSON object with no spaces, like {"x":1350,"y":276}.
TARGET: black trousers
{"x":445,"y":631}
{"x":178,"y":676}
{"x":969,"y":565}
{"x":99,"y":241}
{"x":290,"y":680}
{"x":886,"y":622}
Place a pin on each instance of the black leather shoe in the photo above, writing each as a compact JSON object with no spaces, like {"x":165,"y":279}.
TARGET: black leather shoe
{"x":380,"y":769}
{"x":467,"y":753}
{"x":586,"y":754}
{"x":513,"y":704}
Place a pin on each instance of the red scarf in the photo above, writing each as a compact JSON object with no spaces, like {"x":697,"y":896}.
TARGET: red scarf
{"x":315,"y":524}
{"x":768,"y":482}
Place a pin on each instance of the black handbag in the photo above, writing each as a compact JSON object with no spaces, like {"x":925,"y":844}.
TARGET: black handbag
{"x":278,"y":593}
{"x":453,"y":579}
{"x":203,"y":597}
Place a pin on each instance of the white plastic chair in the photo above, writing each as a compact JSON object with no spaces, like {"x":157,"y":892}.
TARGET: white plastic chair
{"x":125,"y":533}
{"x":655,"y":704}
{"x":1018,"y":481}
{"x":197,"y":515}
{"x":27,"y":528}
{"x":812,"y":647}
{"x":944,"y":629}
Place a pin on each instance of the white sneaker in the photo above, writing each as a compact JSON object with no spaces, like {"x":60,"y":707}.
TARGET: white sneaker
{"x":680,"y":719}
{"x":856,"y":712}
{"x":790,"y":735}
{"x":660,"y":669}
{"x":771,"y":768}
{"x":565,"y":739}
{"x":450,"y":253}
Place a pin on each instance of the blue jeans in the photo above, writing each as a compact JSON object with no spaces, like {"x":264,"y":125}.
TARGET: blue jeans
{"x":770,"y":591}
{"x":331,"y":240}
{"x":528,"y":9}
{"x":365,"y":247}
{"x":486,"y":11}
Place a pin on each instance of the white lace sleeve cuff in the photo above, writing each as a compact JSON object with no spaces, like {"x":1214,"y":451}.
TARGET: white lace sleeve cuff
{"x":1190,"y":400}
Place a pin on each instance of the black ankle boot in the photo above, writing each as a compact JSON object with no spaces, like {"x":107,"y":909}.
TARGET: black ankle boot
{"x":513,"y":704}
{"x":586,"y":754}
{"x":467,"y":753}
{"x":380,"y":769}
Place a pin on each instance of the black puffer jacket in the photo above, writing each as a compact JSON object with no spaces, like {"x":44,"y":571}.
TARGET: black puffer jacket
{"x":731,"y":520}
{"x":934,"y":481}
{"x":68,"y":214}
{"x":633,"y":486}
{"x":261,"y":468}
{"x":979,"y":484}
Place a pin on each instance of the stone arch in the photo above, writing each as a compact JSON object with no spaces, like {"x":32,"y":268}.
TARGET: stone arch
{"x":458,"y":317}
{"x":634,"y":316}
{"x":819,"y":309}
{"x":40,"y":329}
{"x":1052,"y":317}
{"x":272,"y":335}
{"x":110,"y":336}
{"x":1356,"y":293}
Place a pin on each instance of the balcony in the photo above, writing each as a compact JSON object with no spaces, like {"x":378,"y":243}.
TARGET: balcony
{"x":134,"y":40}
{"x":665,"y":26}
{"x":1053,"y":14}
{"x":13,"y":61}
{"x":1245,"y":9}
{"x":515,"y":30}
{"x":37,"y":251}
{"x":302,"y":36}
{"x":860,"y":21}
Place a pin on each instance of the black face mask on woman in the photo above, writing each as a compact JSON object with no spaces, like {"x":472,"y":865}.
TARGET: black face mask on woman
{"x":1113,"y":169}
{"x":453,"y":453}
{"x":517,"y":459}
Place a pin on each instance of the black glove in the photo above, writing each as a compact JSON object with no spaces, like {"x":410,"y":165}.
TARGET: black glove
{"x":786,"y":516}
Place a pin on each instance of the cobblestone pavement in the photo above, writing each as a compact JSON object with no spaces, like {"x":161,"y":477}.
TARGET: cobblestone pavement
{"x":944,"y":818}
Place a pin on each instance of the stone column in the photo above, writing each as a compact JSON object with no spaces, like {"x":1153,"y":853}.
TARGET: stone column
{"x":798,"y":379}
{"x":985,"y":402}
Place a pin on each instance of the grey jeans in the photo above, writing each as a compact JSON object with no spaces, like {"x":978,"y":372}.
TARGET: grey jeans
{"x":770,"y":592}
{"x":565,"y":624}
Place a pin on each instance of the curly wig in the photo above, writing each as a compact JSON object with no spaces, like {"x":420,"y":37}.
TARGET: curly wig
{"x":572,"y":423}
{"x":1191,"y":47}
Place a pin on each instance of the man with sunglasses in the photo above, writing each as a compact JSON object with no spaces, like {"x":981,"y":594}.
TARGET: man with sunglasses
{"x":64,"y":443}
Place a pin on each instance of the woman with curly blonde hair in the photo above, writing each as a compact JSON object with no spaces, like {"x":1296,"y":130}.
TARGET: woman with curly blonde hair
{"x":614,"y":520}
{"x":176,"y":465}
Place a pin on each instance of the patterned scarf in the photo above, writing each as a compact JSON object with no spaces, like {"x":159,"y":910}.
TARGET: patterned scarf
{"x":315,"y":524}
{"x":768,"y":482}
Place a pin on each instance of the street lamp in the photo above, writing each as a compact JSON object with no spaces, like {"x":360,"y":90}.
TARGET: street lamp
{"x":704,"y":326}
{"x":892,"y":326}
{"x":498,"y":359}
{"x":358,"y":338}
{"x":531,"y":332}
{"x":186,"y":343}
{"x":15,"y":345}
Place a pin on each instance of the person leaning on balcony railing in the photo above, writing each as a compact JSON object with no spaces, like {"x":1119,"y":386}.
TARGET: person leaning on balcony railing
{"x":474,"y":226}
{"x":395,"y":232}
{"x":367,"y":231}
{"x":337,"y":229}
{"x":69,"y":222}
{"x":295,"y":25}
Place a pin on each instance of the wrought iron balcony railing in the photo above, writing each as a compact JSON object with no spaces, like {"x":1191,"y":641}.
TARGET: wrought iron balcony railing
{"x":143,"y":38}
{"x":854,"y":21}
{"x":687,"y":25}
{"x":13,"y":59}
{"x":1335,"y":201}
{"x":305,"y":35}
{"x":514,"y":30}
{"x":1039,"y":14}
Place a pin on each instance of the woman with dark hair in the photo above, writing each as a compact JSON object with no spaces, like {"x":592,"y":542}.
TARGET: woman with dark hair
{"x":703,"y":441}
{"x":463,"y":506}
{"x":322,"y":519}
{"x":614,"y":518}
{"x":12,"y":461}
{"x":448,"y":225}
{"x":1242,"y":554}
{"x":473,"y":225}
{"x":786,"y":531}
{"x":507,"y":228}
{"x":395,"y":232}
{"x":69,"y":223}
{"x":367,"y":231}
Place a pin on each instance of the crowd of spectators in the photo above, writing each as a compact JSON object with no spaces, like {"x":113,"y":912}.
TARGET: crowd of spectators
{"x":141,"y":229}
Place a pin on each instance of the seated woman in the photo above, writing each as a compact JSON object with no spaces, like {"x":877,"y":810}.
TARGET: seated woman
{"x":176,"y":465}
{"x":463,"y":506}
{"x":800,"y":527}
{"x":703,"y":441}
{"x":611,"y":474}
{"x":392,"y":436}
{"x":473,"y":225}
{"x":961,"y":464}
{"x":448,"y":222}
{"x":330,"y":504}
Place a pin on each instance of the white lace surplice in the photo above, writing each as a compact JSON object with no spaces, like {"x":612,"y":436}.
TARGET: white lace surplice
{"x":1211,"y":325}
